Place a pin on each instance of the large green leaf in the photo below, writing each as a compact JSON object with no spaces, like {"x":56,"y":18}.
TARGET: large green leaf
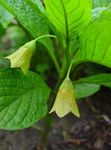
{"x":89,"y":85}
{"x":23,"y":99}
{"x":95,"y":41}
{"x":5,"y":17}
{"x":30,"y":16}
{"x":101,"y":3}
{"x":69,"y":16}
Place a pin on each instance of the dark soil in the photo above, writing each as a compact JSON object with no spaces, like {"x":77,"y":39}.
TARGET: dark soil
{"x":91,"y":132}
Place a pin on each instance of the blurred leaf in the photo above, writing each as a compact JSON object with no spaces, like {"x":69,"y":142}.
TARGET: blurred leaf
{"x":103,"y":79}
{"x":87,"y":86}
{"x":85,"y":89}
{"x":23,"y":99}
{"x":5,"y":17}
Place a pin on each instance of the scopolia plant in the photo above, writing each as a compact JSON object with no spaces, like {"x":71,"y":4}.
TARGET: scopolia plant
{"x":83,"y":30}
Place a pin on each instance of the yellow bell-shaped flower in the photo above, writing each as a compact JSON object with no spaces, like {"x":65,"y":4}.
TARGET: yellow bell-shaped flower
{"x":65,"y":101}
{"x":21,"y":58}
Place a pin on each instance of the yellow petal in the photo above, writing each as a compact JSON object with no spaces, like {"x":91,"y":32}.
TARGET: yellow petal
{"x":65,"y":100}
{"x":21,"y":58}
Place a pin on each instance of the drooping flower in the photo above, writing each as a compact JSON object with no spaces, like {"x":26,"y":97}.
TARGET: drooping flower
{"x":65,"y":100}
{"x":21,"y":58}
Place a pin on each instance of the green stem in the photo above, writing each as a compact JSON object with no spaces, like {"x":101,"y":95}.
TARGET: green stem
{"x":63,"y":68}
{"x":51,"y":53}
{"x":44,"y":36}
{"x":69,"y":70}
{"x":38,"y":128}
{"x":55,"y":62}
{"x":48,"y":121}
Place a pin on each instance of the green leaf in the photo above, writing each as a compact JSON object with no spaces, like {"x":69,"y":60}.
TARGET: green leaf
{"x":69,"y":16}
{"x":5,"y":17}
{"x":89,"y":85}
{"x":84,"y":89}
{"x":23,"y":99}
{"x":103,"y":79}
{"x":101,"y":3}
{"x":30,"y":16}
{"x":95,"y":41}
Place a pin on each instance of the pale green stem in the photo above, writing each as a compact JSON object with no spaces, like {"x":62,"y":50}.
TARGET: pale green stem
{"x":69,"y":70}
{"x":44,"y":36}
{"x":51,"y":53}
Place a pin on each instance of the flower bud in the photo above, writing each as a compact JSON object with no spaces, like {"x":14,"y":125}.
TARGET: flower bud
{"x":21,"y":58}
{"x":65,"y":101}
